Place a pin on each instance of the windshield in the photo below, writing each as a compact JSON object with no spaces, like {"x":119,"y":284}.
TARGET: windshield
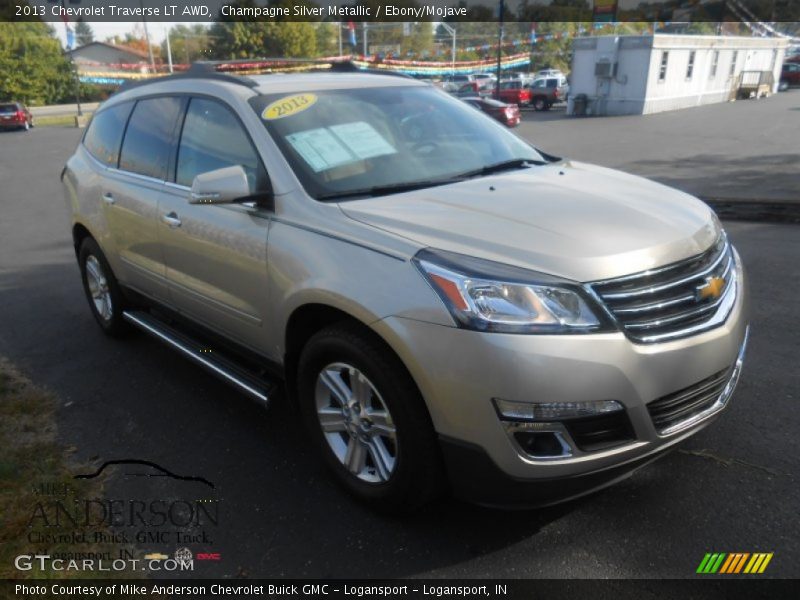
{"x":371,"y":141}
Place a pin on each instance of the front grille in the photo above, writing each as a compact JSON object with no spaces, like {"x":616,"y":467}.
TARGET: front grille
{"x":670,"y":411}
{"x":669,"y":302}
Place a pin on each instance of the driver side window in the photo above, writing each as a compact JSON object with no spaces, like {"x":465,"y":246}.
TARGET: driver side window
{"x":213,"y":138}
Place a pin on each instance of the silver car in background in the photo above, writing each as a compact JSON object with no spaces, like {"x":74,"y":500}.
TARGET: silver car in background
{"x":448,"y":306}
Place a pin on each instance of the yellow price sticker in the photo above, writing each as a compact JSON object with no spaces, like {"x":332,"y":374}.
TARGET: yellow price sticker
{"x":288,"y":106}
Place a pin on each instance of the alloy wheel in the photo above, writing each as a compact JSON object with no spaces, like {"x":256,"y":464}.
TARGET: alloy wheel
{"x":356,"y":422}
{"x":98,"y":288}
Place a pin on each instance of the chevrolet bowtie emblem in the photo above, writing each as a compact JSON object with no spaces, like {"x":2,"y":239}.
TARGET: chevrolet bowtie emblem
{"x":712,"y":288}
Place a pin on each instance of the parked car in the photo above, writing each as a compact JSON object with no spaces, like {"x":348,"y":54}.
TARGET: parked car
{"x":790,"y":75}
{"x":507,"y":114}
{"x":513,"y":92}
{"x":474,"y":88}
{"x":545,"y":73}
{"x":442,"y":301}
{"x":548,"y":91}
{"x":485,"y":78}
{"x":15,"y":115}
{"x":452,"y":83}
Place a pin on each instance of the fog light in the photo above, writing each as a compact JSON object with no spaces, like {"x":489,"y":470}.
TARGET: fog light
{"x":553,"y":411}
{"x":547,"y":444}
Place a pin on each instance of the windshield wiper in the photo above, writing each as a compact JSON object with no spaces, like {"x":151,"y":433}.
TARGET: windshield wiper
{"x":506,"y":165}
{"x":385,"y":190}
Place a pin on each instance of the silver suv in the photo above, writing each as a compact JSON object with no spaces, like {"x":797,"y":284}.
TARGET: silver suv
{"x":446,"y":305}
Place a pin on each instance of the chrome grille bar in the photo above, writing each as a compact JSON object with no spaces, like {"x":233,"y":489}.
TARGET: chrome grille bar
{"x":667,"y":302}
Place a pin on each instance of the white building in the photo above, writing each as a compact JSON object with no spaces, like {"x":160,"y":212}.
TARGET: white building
{"x":631,"y":75}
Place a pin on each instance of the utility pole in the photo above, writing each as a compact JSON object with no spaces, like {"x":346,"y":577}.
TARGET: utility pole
{"x":500,"y":46}
{"x":169,"y":51}
{"x":339,"y":29}
{"x":364,"y":38}
{"x":73,"y":66}
{"x":451,"y":31}
{"x":147,"y":39}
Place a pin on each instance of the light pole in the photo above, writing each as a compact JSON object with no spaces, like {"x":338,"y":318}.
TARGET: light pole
{"x":147,"y":39}
{"x":500,"y":46}
{"x":451,"y":31}
{"x":73,"y":66}
{"x":169,"y":50}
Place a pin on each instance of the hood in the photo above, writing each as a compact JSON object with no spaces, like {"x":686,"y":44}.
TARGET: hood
{"x":569,"y":219}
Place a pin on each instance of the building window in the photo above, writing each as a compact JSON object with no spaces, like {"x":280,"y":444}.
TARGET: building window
{"x":690,"y":65}
{"x":662,"y":70}
{"x":733,"y":63}
{"x":714,"y":64}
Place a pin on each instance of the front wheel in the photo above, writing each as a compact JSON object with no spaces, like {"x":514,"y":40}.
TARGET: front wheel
{"x":368,"y":419}
{"x":106,"y":300}
{"x":539,"y":104}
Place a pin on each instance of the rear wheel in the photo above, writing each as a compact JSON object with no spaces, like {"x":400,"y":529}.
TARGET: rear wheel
{"x":368,"y":419}
{"x":106,"y":300}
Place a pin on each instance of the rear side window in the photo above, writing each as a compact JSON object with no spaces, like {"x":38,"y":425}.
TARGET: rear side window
{"x":105,"y":133}
{"x":214,"y":139}
{"x":147,"y":147}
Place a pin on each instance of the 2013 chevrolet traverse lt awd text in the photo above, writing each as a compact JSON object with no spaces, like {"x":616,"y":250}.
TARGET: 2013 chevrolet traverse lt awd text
{"x":443,"y":301}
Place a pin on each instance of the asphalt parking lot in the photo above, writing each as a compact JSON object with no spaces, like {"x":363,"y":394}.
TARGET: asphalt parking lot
{"x":734,"y":487}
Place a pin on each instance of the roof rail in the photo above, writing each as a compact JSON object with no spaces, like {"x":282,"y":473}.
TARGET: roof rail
{"x":198,"y":70}
{"x":348,"y":66}
{"x":208,"y":70}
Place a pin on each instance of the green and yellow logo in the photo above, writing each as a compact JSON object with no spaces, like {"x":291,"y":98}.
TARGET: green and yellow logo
{"x":734,"y":562}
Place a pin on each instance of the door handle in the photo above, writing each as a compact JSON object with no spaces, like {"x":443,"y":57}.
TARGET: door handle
{"x":171,"y":219}
{"x":108,"y":198}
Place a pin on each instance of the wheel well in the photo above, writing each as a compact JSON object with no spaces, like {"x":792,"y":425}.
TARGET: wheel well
{"x":79,"y":233}
{"x":306,"y":321}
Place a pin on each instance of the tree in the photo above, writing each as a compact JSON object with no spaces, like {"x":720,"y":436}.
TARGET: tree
{"x":188,"y":43}
{"x":327,"y":39}
{"x":83,"y":33}
{"x":33,"y":68}
{"x":283,"y":38}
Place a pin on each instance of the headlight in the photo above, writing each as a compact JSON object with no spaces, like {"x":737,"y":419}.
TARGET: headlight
{"x":488,"y":296}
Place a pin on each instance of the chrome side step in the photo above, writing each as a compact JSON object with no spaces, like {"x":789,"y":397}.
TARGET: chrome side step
{"x":249,"y":383}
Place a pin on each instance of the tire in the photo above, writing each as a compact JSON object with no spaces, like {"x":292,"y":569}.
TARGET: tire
{"x":392,"y":473}
{"x":102,"y":290}
{"x":539,"y":104}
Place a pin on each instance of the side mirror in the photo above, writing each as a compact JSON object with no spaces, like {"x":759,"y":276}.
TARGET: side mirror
{"x":221,"y":186}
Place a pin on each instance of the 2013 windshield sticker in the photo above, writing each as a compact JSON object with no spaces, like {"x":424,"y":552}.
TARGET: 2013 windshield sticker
{"x":288,"y":106}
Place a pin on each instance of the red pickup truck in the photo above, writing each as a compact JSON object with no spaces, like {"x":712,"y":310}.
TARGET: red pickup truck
{"x":513,"y":92}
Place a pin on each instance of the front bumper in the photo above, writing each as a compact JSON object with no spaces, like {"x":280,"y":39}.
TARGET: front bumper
{"x":459,"y":372}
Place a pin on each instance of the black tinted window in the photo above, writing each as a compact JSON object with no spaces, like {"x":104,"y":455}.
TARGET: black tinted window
{"x":213,"y":139}
{"x":105,"y":133}
{"x":147,"y":147}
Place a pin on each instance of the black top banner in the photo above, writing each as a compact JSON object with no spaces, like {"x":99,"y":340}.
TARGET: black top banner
{"x":683,"y":11}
